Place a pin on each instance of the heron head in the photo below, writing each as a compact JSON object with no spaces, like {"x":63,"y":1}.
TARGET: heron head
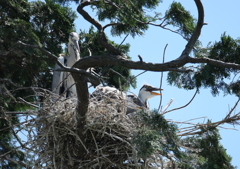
{"x":148,"y":91}
{"x":73,"y":40}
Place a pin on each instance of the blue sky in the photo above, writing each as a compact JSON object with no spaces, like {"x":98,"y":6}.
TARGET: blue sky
{"x":221,"y":16}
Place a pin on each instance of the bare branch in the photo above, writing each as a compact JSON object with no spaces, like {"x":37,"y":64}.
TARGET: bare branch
{"x":44,"y":51}
{"x":16,"y":162}
{"x":185,"y":104}
{"x":17,"y":112}
{"x":234,"y":107}
{"x":14,"y":125}
{"x":196,"y":32}
{"x":162,"y":78}
{"x":111,"y":24}
{"x":9,"y":81}
{"x":87,"y":16}
{"x":30,"y":104}
{"x":213,"y":62}
{"x":118,"y":60}
{"x":93,"y":79}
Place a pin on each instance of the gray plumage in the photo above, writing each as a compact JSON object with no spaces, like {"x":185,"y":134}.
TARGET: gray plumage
{"x":135,"y":103}
{"x":63,"y":80}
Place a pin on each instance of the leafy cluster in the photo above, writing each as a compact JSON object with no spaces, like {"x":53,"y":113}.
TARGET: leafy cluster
{"x":214,"y":77}
{"x":203,"y":150}
{"x":211,"y":154}
{"x":89,"y":41}
{"x":157,"y":135}
{"x":127,"y":17}
{"x":24,"y":67}
{"x":177,"y":16}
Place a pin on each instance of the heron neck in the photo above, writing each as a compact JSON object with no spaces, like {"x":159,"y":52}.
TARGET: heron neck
{"x":143,"y":100}
{"x":72,"y":50}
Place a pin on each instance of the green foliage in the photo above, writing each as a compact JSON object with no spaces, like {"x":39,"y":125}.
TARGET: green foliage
{"x":177,"y":16}
{"x":227,"y":50}
{"x":157,"y":135}
{"x":128,"y":15}
{"x":35,"y":23}
{"x":66,"y":2}
{"x":211,"y":153}
{"x":214,"y":77}
{"x":52,"y":23}
{"x":38,"y":22}
{"x":181,"y":80}
{"x":89,"y":40}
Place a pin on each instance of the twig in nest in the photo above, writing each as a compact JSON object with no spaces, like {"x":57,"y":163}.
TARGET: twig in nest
{"x":30,"y":104}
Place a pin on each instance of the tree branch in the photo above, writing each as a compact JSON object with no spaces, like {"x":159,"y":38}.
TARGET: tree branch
{"x":82,"y":107}
{"x":196,"y":32}
{"x":184,"y":105}
{"x":94,"y":80}
{"x":117,"y":60}
{"x":213,"y":62}
{"x":44,"y":51}
{"x":91,"y":78}
{"x":16,"y":162}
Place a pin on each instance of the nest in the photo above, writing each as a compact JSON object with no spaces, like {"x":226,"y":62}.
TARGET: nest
{"x":108,"y":134}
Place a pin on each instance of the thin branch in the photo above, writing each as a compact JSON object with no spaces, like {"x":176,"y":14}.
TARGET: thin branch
{"x":123,"y":41}
{"x":18,"y":124}
{"x":185,"y":104}
{"x":166,"y":107}
{"x":16,"y":162}
{"x":161,"y":26}
{"x":9,"y":81}
{"x":127,"y":81}
{"x":93,"y":79}
{"x":8,"y":92}
{"x":162,"y":78}
{"x":44,"y":51}
{"x":17,"y":112}
{"x":30,"y":104}
{"x":234,"y":107}
{"x":213,"y":62}
{"x":111,"y":24}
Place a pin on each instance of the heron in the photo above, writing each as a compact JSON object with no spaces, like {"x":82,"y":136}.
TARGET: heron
{"x":133,"y":102}
{"x":141,"y":102}
{"x":61,"y":80}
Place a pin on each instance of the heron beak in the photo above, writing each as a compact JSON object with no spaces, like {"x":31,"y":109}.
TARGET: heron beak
{"x":154,"y":93}
{"x":154,"y":89}
{"x":76,"y":44}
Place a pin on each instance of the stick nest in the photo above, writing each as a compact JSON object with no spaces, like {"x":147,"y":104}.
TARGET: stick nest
{"x":108,"y":135}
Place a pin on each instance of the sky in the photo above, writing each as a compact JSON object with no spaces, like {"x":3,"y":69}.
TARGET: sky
{"x":220,"y":16}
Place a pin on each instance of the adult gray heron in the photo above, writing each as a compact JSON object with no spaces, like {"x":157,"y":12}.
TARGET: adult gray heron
{"x":132,"y":102}
{"x":61,"y":80}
